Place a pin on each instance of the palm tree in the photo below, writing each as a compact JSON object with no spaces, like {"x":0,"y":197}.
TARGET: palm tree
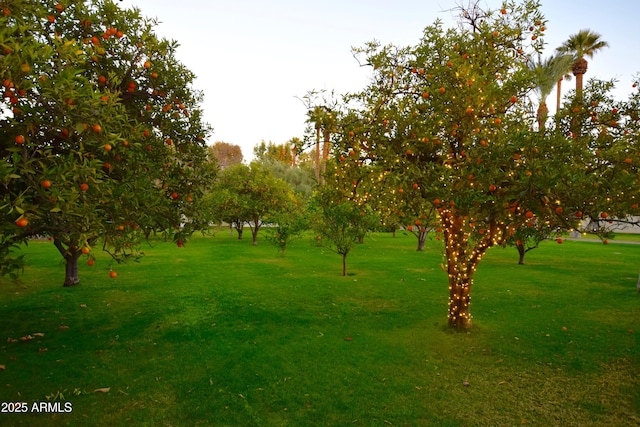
{"x":566,"y":76}
{"x":547,"y":74}
{"x":583,"y":43}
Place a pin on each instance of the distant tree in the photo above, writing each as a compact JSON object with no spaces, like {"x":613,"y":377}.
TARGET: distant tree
{"x":288,"y":223}
{"x":548,"y":73}
{"x":276,"y":152}
{"x":248,"y":195}
{"x":226,"y":154}
{"x":300,"y":178}
{"x":223,"y":203}
{"x":529,"y":236}
{"x":583,"y":43}
{"x":296,"y":148}
{"x":322,"y":120}
{"x":340,"y":217}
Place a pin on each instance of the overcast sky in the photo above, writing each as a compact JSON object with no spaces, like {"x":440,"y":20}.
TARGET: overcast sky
{"x":253,"y":59}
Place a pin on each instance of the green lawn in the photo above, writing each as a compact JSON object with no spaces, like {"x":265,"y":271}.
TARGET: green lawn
{"x":223,"y":333}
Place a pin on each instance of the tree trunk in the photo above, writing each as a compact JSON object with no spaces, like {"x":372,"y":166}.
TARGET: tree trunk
{"x":543,"y":113}
{"x":318,"y":155}
{"x":71,"y":277}
{"x":463,"y":258}
{"x":559,"y":95}
{"x":71,"y":255}
{"x":239,"y":229}
{"x":344,"y":264}
{"x":579,"y":86}
{"x":459,"y":300}
{"x":579,"y":68}
{"x":254,"y":235}
{"x":521,"y":252}
{"x":325,"y":155}
{"x":294,"y":156}
{"x":422,"y":239}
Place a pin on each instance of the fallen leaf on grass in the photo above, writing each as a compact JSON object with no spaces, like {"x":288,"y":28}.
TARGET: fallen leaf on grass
{"x":43,"y":350}
{"x":38,"y":334}
{"x":2,"y":367}
{"x":102,"y":390}
{"x":26,"y":338}
{"x":83,"y":305}
{"x":63,"y":327}
{"x":348,"y":338}
{"x":9,"y":339}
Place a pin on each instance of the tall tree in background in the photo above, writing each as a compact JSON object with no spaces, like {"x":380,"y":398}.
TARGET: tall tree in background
{"x":225,"y":153}
{"x":98,"y":120}
{"x":274,"y":152}
{"x":296,"y":148}
{"x":583,"y":43}
{"x":548,"y":73}
{"x":322,"y":118}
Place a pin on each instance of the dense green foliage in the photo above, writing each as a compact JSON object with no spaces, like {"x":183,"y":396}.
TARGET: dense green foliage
{"x":248,"y":195}
{"x":100,"y":131}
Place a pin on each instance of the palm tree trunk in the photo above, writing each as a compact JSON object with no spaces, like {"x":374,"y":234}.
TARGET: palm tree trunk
{"x":318,"y":155}
{"x":559,"y":95}
{"x":579,"y":77}
{"x":543,"y":113}
{"x":325,"y":154}
{"x":295,"y":154}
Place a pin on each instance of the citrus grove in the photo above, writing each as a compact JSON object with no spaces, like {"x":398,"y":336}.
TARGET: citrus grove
{"x":101,"y":132}
{"x":103,"y":143}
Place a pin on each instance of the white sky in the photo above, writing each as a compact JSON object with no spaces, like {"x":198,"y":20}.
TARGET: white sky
{"x":253,"y":58}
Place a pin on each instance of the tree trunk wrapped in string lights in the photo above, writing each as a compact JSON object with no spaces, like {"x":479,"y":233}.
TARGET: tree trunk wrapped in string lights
{"x":463,"y":254}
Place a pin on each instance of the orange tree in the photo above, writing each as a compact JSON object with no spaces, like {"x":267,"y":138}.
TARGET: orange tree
{"x":340,"y":217}
{"x":453,"y":115}
{"x":249,"y":195}
{"x":100,"y":132}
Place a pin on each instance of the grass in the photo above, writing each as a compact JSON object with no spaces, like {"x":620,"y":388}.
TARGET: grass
{"x":224,"y":333}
